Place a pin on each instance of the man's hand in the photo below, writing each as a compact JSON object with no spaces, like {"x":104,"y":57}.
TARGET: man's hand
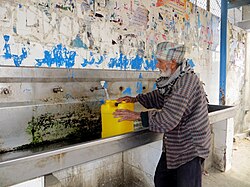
{"x":126,"y":115}
{"x":127,"y":99}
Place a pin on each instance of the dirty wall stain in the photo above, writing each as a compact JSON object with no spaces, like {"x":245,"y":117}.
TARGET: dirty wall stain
{"x":68,"y":5}
{"x":50,"y":127}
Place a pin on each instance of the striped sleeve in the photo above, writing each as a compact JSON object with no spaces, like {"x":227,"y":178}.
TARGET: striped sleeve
{"x":151,"y":100}
{"x":172,"y":112}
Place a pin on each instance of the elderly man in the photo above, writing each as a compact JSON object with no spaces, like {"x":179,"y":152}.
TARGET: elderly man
{"x":180,"y":113}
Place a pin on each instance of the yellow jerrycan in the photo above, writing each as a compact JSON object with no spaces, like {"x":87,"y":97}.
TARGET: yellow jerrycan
{"x":110,"y":125}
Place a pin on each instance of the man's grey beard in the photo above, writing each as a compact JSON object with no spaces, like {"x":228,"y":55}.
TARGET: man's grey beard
{"x":166,"y":73}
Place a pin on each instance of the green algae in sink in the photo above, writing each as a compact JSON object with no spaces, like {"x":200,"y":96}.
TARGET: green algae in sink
{"x":76,"y":124}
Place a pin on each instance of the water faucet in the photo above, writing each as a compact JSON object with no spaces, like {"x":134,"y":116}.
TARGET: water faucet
{"x":103,"y":86}
{"x":95,"y":88}
{"x":58,"y":89}
{"x":98,"y":87}
{"x":5,"y":91}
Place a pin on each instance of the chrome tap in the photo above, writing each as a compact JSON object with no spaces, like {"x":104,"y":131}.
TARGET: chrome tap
{"x":58,"y":89}
{"x":98,"y":87}
{"x":6,"y":91}
{"x":103,"y":86}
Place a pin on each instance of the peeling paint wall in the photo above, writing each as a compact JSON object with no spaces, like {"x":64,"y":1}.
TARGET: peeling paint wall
{"x":247,"y":91}
{"x":102,"y":34}
{"x":236,"y":72}
{"x":119,"y":35}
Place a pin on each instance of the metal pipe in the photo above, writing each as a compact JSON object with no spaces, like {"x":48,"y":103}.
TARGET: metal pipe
{"x":208,"y":5}
{"x":223,"y":52}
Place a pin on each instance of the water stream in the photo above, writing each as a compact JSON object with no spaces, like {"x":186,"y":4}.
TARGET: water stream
{"x":106,"y":93}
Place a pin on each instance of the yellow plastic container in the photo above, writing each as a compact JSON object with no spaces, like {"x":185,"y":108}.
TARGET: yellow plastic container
{"x":110,"y":125}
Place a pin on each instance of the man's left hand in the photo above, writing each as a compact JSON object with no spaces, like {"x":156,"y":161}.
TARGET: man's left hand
{"x":126,"y":115}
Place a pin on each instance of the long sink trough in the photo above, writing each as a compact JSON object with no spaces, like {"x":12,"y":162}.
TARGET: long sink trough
{"x":22,"y":154}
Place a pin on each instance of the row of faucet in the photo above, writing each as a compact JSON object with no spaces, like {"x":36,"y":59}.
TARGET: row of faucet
{"x":7,"y":91}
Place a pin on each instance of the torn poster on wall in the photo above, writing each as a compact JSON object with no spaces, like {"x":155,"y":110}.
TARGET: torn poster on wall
{"x":102,"y":34}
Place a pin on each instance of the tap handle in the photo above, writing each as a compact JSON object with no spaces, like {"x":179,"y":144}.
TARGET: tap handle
{"x":58,"y":89}
{"x":6,"y":91}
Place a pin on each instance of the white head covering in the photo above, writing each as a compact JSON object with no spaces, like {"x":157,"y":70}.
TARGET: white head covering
{"x":170,"y":51}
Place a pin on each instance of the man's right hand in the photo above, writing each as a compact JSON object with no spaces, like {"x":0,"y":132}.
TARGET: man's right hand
{"x":127,"y":99}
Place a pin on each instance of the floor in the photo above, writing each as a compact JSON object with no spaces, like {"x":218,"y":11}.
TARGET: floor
{"x":239,"y":175}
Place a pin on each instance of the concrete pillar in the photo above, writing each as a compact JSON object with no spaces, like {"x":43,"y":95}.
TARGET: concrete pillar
{"x":223,"y":144}
{"x":246,"y":125}
{"x":246,"y":12}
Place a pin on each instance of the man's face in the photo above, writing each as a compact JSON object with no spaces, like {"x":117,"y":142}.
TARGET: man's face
{"x":165,"y":67}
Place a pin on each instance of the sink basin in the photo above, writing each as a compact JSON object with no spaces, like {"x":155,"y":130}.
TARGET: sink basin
{"x":23,"y":123}
{"x":218,"y":113}
{"x":214,"y":108}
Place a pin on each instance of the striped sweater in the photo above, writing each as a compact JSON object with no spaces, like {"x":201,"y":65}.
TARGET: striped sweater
{"x":183,"y":118}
